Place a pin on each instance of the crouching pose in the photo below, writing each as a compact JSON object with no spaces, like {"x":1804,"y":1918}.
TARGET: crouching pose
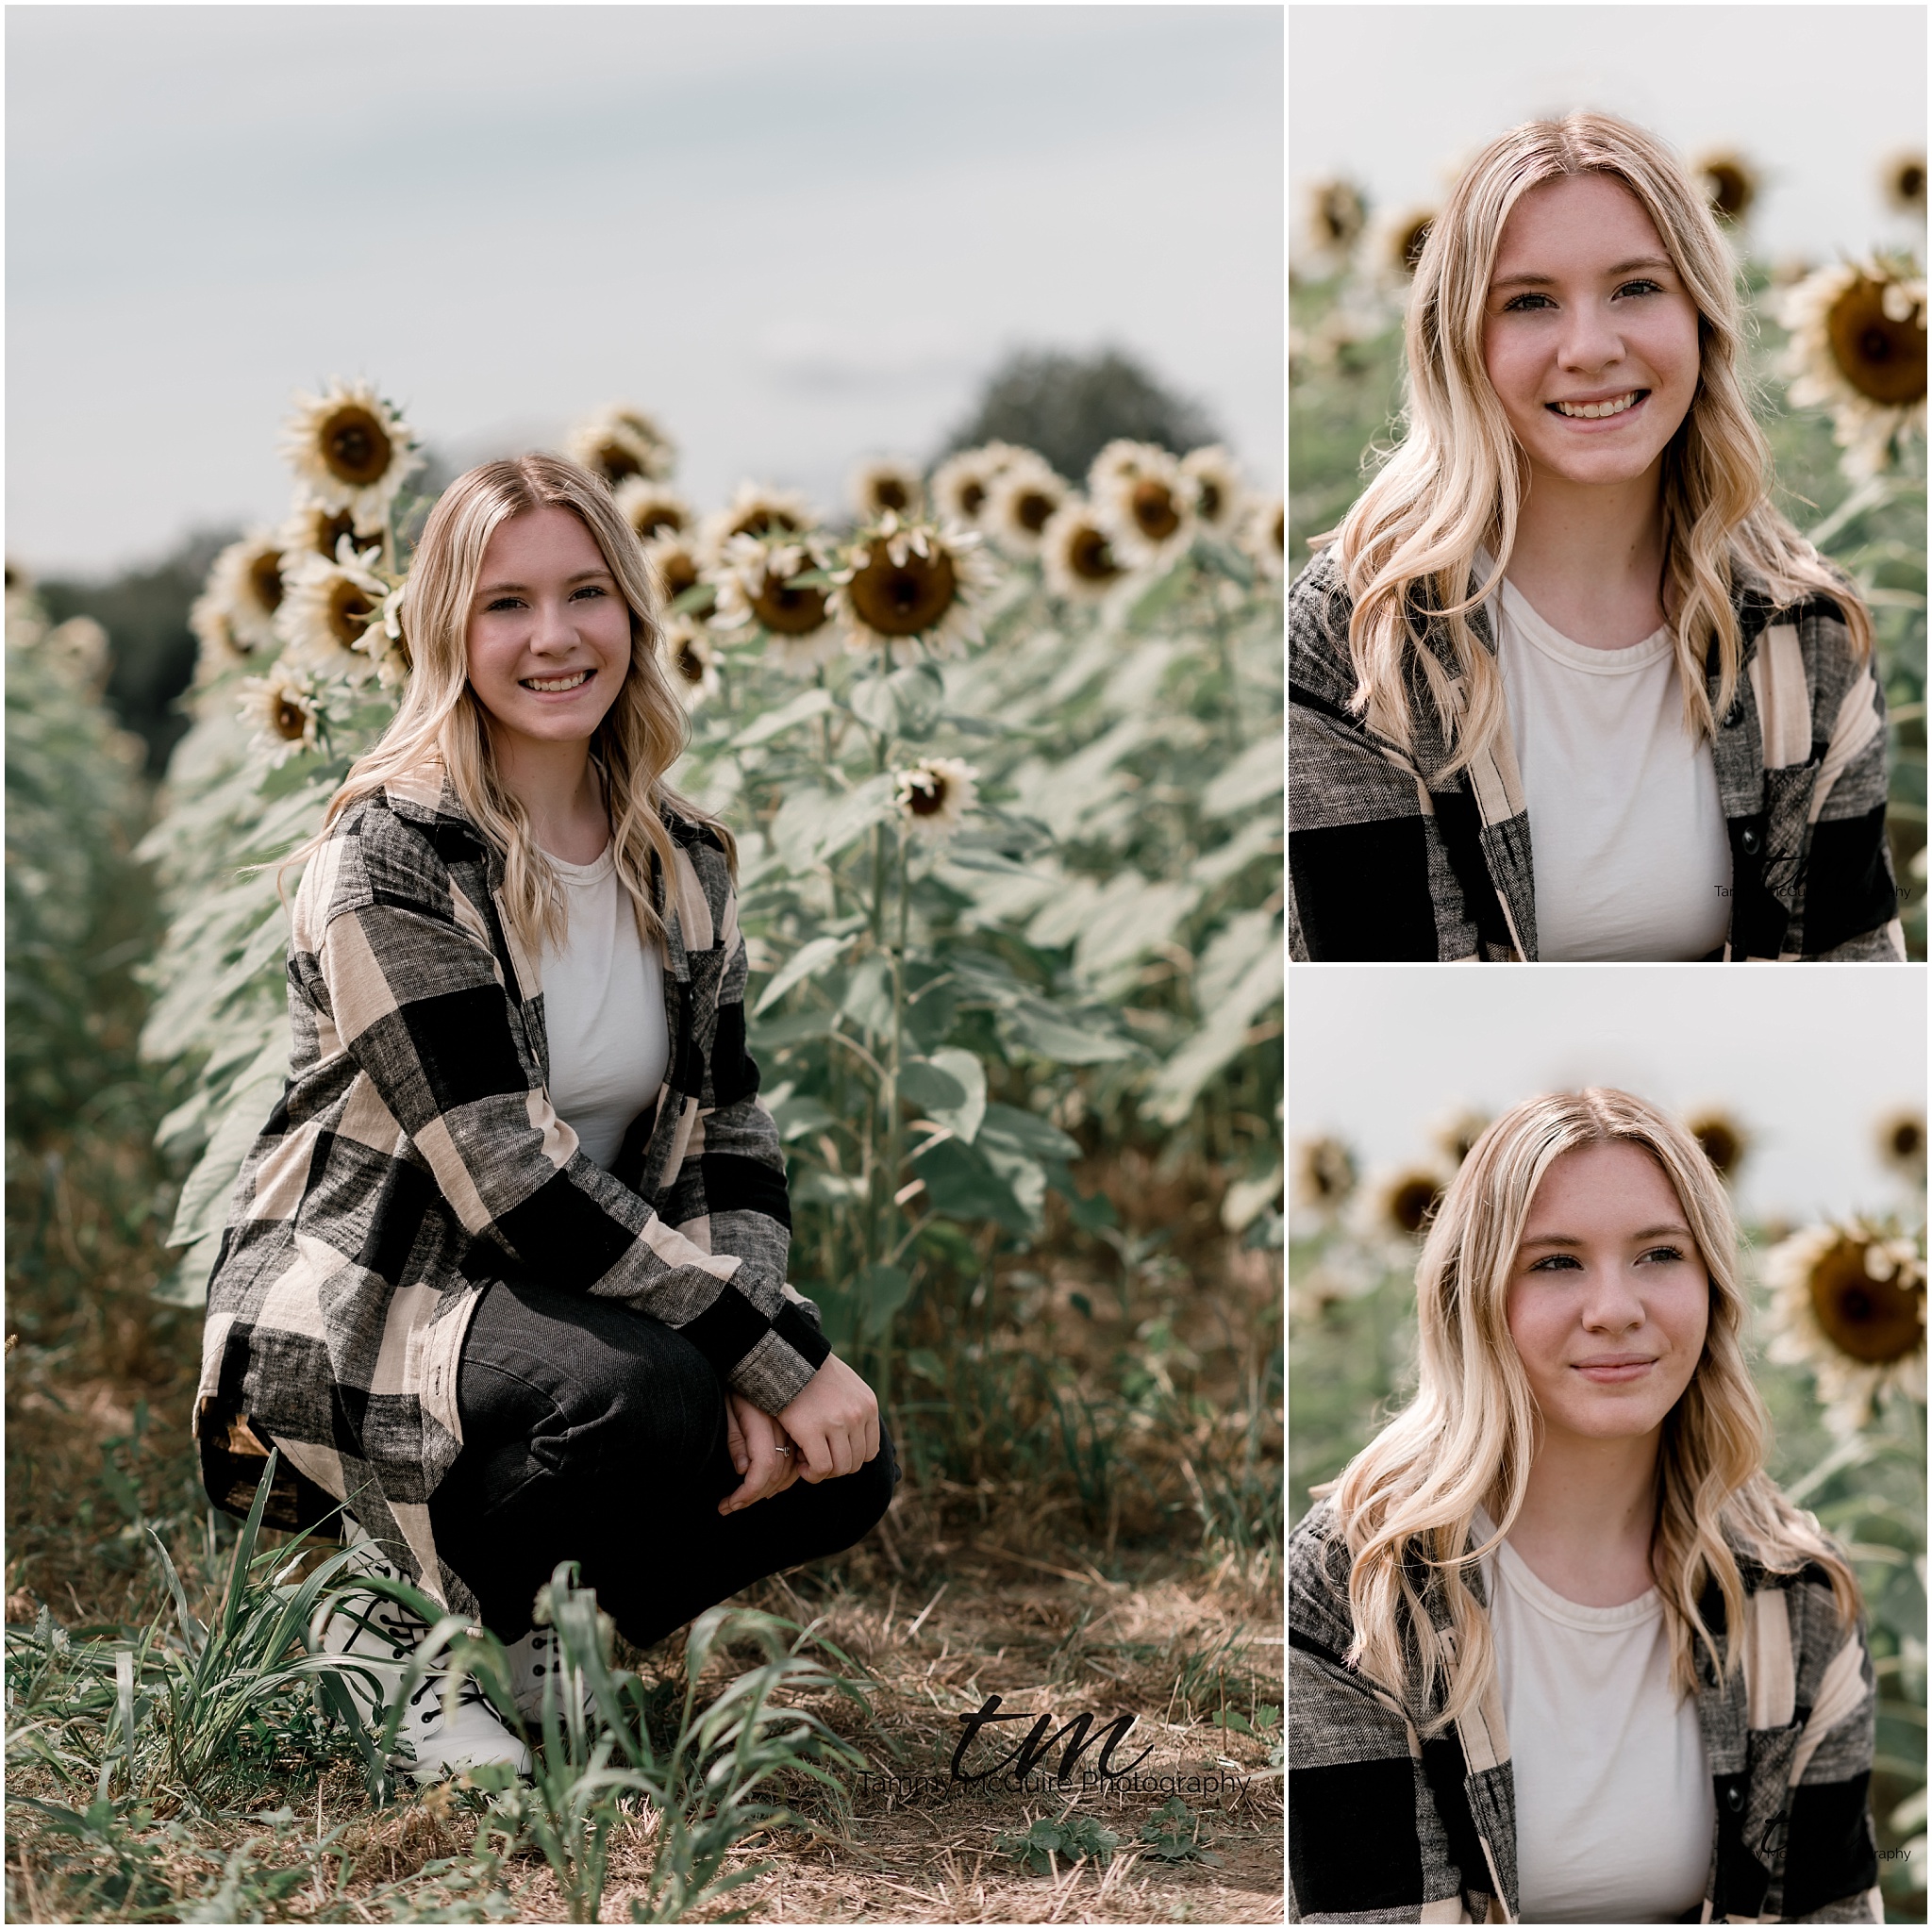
{"x":505,"y":1275}
{"x":1560,"y":1652}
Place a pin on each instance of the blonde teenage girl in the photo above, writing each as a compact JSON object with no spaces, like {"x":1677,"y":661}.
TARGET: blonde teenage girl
{"x":1565,"y":684}
{"x":505,"y":1272}
{"x":1560,"y":1651}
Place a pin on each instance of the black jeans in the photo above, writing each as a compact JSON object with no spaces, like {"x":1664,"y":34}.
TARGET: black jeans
{"x":594,"y":1433}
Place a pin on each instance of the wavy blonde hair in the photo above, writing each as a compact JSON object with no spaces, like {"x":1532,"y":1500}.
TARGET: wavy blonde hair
{"x":442,"y":721}
{"x":1407,"y":1500}
{"x":1457,"y":478}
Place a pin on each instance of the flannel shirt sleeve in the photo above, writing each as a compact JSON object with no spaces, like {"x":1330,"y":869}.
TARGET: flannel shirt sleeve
{"x":1366,"y":1839}
{"x":732,"y":1179}
{"x":418,"y":1001}
{"x":1850,"y":901}
{"x":1831,"y":1854}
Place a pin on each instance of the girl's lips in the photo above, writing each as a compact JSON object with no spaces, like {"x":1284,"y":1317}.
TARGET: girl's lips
{"x":1614,"y":1372}
{"x":588,"y":675}
{"x":1592,"y":424}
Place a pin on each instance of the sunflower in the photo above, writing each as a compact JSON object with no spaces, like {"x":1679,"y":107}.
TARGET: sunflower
{"x":902,"y":584}
{"x":1903,"y":179}
{"x":1902,"y":1143}
{"x":351,"y":451}
{"x":690,"y":661}
{"x":755,"y":510}
{"x":1724,"y":1143}
{"x":1402,"y":1203}
{"x":1264,"y":536}
{"x":314,"y":531}
{"x":619,"y":444}
{"x":888,"y":483}
{"x":1456,"y":1135}
{"x":1210,"y":472}
{"x":937,"y":794}
{"x":677,"y":566}
{"x":1849,"y":1301}
{"x":653,"y":510}
{"x":247,"y":576}
{"x":1077,"y":548}
{"x":755,"y":586}
{"x":1337,"y":215}
{"x":961,"y":486}
{"x":285,"y":711}
{"x":1730,"y":182}
{"x":326,"y":614}
{"x":211,"y":618}
{"x":1324,"y":1175}
{"x":1021,"y":501}
{"x":1857,"y":348}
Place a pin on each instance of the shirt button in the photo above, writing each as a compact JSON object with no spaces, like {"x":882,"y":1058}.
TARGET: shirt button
{"x":1749,"y":841}
{"x":1734,"y":1798}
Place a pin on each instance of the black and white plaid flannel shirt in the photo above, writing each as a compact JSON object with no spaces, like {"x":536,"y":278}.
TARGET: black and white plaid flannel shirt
{"x":1386,"y":1828}
{"x":1389,"y":860}
{"x":414,"y":1157}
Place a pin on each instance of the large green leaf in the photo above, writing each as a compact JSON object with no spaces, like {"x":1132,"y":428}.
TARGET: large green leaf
{"x":806,"y":962}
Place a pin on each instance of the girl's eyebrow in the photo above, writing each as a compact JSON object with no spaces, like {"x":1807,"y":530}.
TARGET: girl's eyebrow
{"x":581,"y":576}
{"x":1649,"y":1232}
{"x":1550,"y":280}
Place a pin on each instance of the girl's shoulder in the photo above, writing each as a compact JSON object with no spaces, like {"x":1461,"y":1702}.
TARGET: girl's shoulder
{"x":1318,"y":1566}
{"x":401,"y":843}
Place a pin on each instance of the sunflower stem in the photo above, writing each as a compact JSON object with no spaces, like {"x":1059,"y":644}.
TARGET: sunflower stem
{"x":1225,"y":652}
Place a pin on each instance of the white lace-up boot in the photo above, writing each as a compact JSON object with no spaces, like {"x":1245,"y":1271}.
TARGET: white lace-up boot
{"x":536,"y":1657}
{"x":383,"y":1636}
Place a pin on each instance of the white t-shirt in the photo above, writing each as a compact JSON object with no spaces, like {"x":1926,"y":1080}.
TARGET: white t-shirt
{"x":1615,"y":1814}
{"x":1632,"y":859}
{"x":603,"y":1012}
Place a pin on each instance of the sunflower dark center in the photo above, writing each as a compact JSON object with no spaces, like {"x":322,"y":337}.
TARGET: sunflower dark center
{"x":972,"y":496}
{"x":902,"y":599}
{"x":1090,"y":556}
{"x":265,"y":579}
{"x":1413,"y":243}
{"x":926,"y":796}
{"x":763,"y":520}
{"x":691,"y":666}
{"x":356,"y":446}
{"x":615,"y":462}
{"x":1908,"y":1141}
{"x":657,"y":519}
{"x":1209,"y":499}
{"x":292,"y":721}
{"x":349,"y":611}
{"x":330,"y":531}
{"x":1033,"y":511}
{"x":788,"y":611}
{"x":888,"y":493}
{"x":1883,"y":359}
{"x":1411,"y":1203}
{"x":1154,"y":511}
{"x":1912,"y":183}
{"x":1722,"y":1146}
{"x":679,"y":572}
{"x":1873,"y":1320}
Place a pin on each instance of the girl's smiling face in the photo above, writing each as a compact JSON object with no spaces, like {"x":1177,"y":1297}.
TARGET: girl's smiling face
{"x":1584,"y":308}
{"x":549,"y":631}
{"x":1609,"y":1300}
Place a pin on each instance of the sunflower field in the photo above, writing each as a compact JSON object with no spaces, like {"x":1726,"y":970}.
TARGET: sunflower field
{"x":1004,"y":759}
{"x":1837,"y":361}
{"x":1837,"y":1343}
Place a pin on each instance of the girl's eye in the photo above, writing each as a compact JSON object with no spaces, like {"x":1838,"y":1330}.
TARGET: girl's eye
{"x":1518,"y":304}
{"x":1666,"y":1253}
{"x":1557,"y":1262}
{"x":590,"y":589}
{"x":503,"y":603}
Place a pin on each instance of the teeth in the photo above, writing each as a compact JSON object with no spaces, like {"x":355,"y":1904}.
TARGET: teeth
{"x":555,"y":682}
{"x":1592,"y":410}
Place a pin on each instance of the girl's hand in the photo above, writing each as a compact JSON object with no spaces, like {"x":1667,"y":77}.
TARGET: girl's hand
{"x":835,"y":1421}
{"x":759,"y":1450}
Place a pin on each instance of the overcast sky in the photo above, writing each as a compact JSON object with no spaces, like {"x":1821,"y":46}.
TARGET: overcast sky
{"x":1816,"y":95}
{"x":798,"y":235}
{"x":1807,"y":1059}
